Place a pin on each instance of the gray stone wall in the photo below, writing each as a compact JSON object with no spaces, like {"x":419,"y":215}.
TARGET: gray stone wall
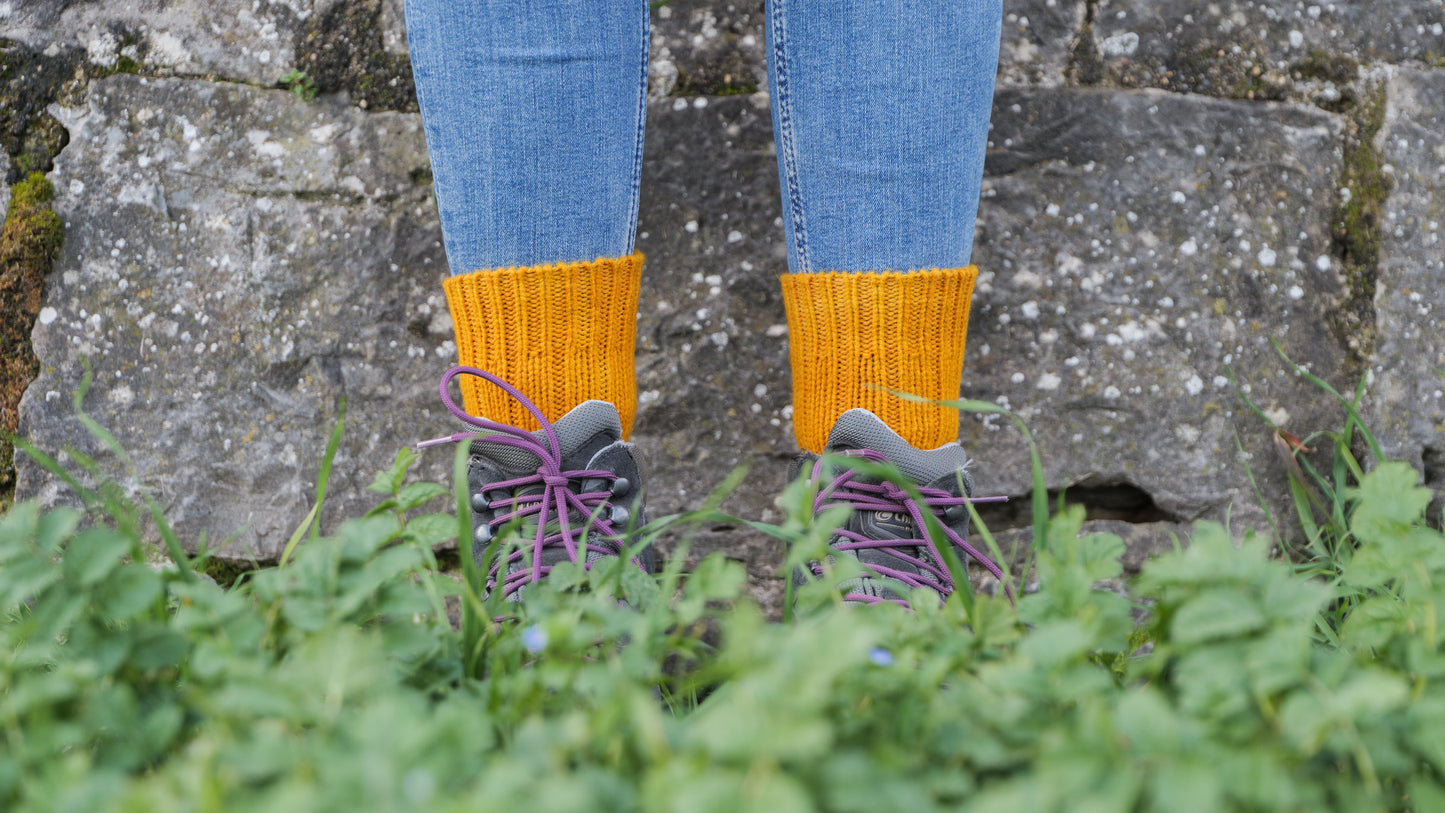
{"x":1171,"y":188}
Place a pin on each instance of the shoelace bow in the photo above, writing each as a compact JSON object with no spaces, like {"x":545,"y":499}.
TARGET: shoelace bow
{"x":553,"y":507}
{"x":847,"y":489}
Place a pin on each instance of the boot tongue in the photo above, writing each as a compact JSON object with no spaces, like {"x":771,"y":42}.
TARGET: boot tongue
{"x":590,"y":427}
{"x":861,"y":429}
{"x":587,"y":429}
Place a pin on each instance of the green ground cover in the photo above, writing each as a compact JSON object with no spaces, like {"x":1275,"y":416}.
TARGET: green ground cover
{"x":359,"y":674}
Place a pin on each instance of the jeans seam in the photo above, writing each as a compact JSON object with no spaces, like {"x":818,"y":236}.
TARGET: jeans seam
{"x":636,"y":201}
{"x":785,"y":137}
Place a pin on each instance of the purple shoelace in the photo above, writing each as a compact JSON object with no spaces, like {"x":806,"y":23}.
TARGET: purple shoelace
{"x":553,"y":506}
{"x":847,"y":489}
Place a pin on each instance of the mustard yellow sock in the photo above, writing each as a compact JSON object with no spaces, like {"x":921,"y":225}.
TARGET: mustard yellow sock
{"x":852,"y":335}
{"x":562,"y":334}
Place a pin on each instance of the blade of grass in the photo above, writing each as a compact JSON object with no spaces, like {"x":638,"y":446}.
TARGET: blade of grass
{"x":172,"y":542}
{"x":995,"y":551}
{"x":1259,"y":493}
{"x":50,"y":464}
{"x":1039,"y":498}
{"x":311,"y":522}
{"x":168,"y":536}
{"x":797,"y":502}
{"x":671,"y":575}
{"x":963,"y":586}
{"x":473,"y":624}
{"x":788,"y":598}
{"x":1286,"y":448}
{"x":296,"y":535}
{"x":1354,"y":414}
{"x":1301,"y":497}
{"x":1246,"y":400}
{"x":324,"y":477}
{"x":1323,"y":483}
{"x":1239,"y":446}
{"x":725,"y":489}
{"x":99,"y":432}
{"x":1346,"y":438}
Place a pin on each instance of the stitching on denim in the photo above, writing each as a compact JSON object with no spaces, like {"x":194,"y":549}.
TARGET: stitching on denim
{"x":635,"y":203}
{"x":785,"y":137}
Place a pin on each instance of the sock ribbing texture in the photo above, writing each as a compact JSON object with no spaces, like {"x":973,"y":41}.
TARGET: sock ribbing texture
{"x":562,"y":334}
{"x":851,"y":335}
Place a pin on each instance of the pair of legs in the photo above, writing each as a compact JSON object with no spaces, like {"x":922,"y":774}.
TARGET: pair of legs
{"x":534,"y":115}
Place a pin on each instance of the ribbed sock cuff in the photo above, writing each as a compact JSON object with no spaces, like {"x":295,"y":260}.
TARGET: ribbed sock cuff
{"x":562,"y":334}
{"x":853,"y":336}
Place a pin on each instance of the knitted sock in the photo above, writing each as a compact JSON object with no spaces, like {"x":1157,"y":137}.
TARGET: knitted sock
{"x":562,"y":334}
{"x":851,"y":334}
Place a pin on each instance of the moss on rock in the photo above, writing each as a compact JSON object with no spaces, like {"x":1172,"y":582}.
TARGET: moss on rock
{"x":343,"y":50}
{"x":29,"y":81}
{"x":1357,"y":228}
{"x":28,"y":244}
{"x":1331,"y":67}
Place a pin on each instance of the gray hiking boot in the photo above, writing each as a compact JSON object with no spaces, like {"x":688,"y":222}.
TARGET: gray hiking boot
{"x":571,"y":490}
{"x":592,"y":495}
{"x":886,"y":530}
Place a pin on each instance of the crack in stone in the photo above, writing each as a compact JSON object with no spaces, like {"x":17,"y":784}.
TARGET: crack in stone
{"x":1115,"y":499}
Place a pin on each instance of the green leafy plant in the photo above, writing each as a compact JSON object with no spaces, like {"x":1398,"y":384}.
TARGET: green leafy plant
{"x":301,"y":85}
{"x":361,"y":674}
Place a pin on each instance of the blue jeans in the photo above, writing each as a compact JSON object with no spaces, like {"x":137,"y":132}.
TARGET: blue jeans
{"x":534,"y":116}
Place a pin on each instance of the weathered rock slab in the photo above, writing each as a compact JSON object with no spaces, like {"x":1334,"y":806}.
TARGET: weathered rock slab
{"x":357,"y":46}
{"x":238,"y":260}
{"x":1248,"y":49}
{"x":1139,"y":250}
{"x":253,"y":42}
{"x":1407,"y":398}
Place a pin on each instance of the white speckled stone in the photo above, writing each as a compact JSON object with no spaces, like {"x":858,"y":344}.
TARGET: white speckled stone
{"x":1407,"y":399}
{"x":1120,"y":265}
{"x":236,"y":260}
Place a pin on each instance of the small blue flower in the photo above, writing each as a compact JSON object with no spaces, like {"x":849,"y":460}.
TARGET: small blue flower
{"x":880,"y":656}
{"x":534,"y":638}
